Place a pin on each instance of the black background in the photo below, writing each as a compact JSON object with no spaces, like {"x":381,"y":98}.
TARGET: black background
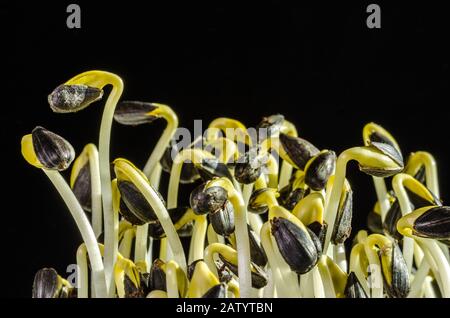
{"x":319,"y":65}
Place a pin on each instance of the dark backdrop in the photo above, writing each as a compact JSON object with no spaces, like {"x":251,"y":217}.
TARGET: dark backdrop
{"x":319,"y":66}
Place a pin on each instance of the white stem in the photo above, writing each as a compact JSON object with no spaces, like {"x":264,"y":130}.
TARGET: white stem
{"x":285,"y":174}
{"x":340,"y":257}
{"x":163,"y":142}
{"x":243,"y":249}
{"x":333,"y":202}
{"x":268,"y":291}
{"x":277,"y":277}
{"x":111,"y":219}
{"x":96,"y":191}
{"x":382,"y":195}
{"x":319,"y":291}
{"x":171,"y":280}
{"x":405,"y":207}
{"x":82,"y":273}
{"x":84,"y":227}
{"x":419,"y":279}
{"x":149,"y":254}
{"x":428,"y":289}
{"x":140,"y":247}
{"x":198,"y":238}
{"x":376,"y":278}
{"x":441,"y":262}
{"x":161,"y":212}
{"x":126,"y":243}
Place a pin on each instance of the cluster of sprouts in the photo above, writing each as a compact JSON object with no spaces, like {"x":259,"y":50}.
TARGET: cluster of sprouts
{"x":268,"y":216}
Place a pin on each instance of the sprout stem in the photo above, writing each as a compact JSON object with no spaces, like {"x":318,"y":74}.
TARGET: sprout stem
{"x":198,"y":238}
{"x":84,"y":227}
{"x":164,"y":140}
{"x":441,"y":262}
{"x":340,"y":257}
{"x":285,"y":174}
{"x":195,"y":155}
{"x":319,"y":291}
{"x":376,"y":278}
{"x":382,"y":195}
{"x":82,"y":272}
{"x":405,"y":207}
{"x":96,"y":190}
{"x":111,"y":219}
{"x":160,"y":210}
{"x":277,"y":277}
{"x":127,"y":242}
{"x":171,"y":280}
{"x":419,"y":279}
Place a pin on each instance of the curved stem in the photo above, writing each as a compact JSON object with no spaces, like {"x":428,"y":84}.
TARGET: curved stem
{"x":376,"y":278}
{"x":164,"y":140}
{"x":441,"y":262}
{"x":111,"y":219}
{"x":405,"y":207}
{"x":355,"y":266}
{"x":195,"y":155}
{"x":85,"y":229}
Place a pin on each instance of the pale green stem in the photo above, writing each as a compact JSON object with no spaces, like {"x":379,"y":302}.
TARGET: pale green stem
{"x":269,"y":289}
{"x":356,"y":268}
{"x":242,"y":246}
{"x":84,"y":227}
{"x":163,"y":249}
{"x":405,"y":207}
{"x":187,"y":154}
{"x":319,"y":291}
{"x":111,"y":219}
{"x":336,"y":191}
{"x":163,"y":142}
{"x":441,"y":262}
{"x":126,"y":243}
{"x":307,"y":285}
{"x":327,"y":281}
{"x":198,"y":239}
{"x":419,"y":280}
{"x":285,"y":174}
{"x":340,"y":257}
{"x":82,"y":273}
{"x":161,"y":212}
{"x":96,"y":191}
{"x":431,"y":174}
{"x":376,"y":278}
{"x":171,"y":280}
{"x":212,"y":235}
{"x":428,"y":290}
{"x":382,"y":195}
{"x":277,"y":277}
{"x":149,"y":254}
